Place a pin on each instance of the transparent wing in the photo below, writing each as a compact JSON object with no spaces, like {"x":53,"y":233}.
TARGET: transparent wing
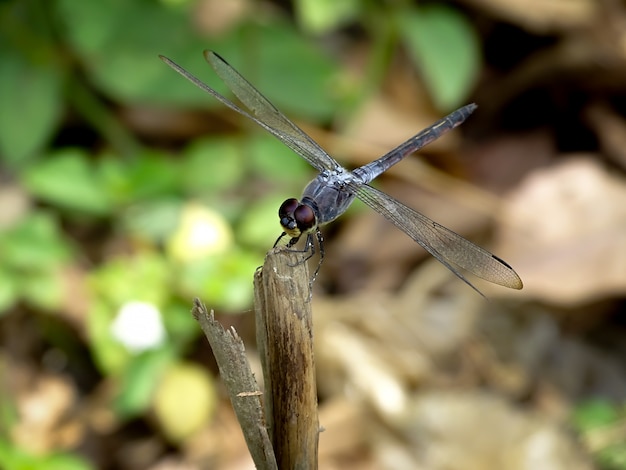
{"x":450,"y":248}
{"x":263,"y":112}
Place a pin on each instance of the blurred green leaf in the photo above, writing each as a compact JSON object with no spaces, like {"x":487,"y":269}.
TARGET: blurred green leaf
{"x":109,"y":355}
{"x":612,"y":457}
{"x":119,"y":43}
{"x":223,"y":281}
{"x":277,"y":163}
{"x":594,"y":414}
{"x":273,"y":56}
{"x":182,"y":328}
{"x":213,"y":164}
{"x":9,"y":456}
{"x":145,"y":276}
{"x":295,"y":76}
{"x":153,"y":219}
{"x":43,"y":289}
{"x":62,"y":462}
{"x":31,"y":97}
{"x":322,"y":16}
{"x":151,"y":174}
{"x":33,"y":253}
{"x":68,"y":180}
{"x":259,"y":226}
{"x":113,"y":173}
{"x":601,"y":424}
{"x":14,"y":458}
{"x":137,"y":384}
{"x":122,"y":58}
{"x":116,"y":333}
{"x":35,"y":244}
{"x":445,"y":48}
{"x":9,"y":292}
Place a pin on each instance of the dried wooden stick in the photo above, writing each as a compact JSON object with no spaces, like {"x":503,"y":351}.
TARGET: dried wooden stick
{"x":285,"y":341}
{"x":241,"y":386}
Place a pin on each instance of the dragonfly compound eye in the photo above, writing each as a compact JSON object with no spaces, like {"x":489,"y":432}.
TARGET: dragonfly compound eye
{"x":305,"y":218}
{"x":288,"y":207}
{"x":287,"y":218}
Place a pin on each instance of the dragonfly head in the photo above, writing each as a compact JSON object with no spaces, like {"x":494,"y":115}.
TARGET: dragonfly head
{"x":296,"y":218}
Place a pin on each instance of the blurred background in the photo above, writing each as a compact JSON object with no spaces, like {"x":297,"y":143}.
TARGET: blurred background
{"x":125,"y":192}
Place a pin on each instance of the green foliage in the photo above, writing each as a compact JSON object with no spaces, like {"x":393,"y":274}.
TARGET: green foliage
{"x":445,"y":49}
{"x":323,"y":16}
{"x":67,"y":180}
{"x":118,"y":41}
{"x":33,"y":252}
{"x":285,"y":67}
{"x":224,"y":278}
{"x":273,"y":161}
{"x":14,"y":458}
{"x":601,"y":425}
{"x":259,"y":222}
{"x":137,"y":382}
{"x":31,"y":97}
{"x":144,"y":276}
{"x":31,"y":81}
{"x":211,"y":165}
{"x":594,"y":414}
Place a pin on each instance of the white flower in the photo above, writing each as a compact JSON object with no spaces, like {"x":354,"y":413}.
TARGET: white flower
{"x":138,"y":326}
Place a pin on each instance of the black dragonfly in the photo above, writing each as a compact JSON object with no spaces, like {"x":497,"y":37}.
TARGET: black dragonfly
{"x":333,"y":190}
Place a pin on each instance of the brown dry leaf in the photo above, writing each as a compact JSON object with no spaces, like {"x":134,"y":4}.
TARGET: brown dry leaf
{"x":566,"y":232}
{"x":15,"y":203}
{"x":499,"y":163}
{"x":45,"y":416}
{"x":541,"y":16}
{"x":527,"y":353}
{"x":610,"y":128}
{"x":475,"y":430}
{"x":394,"y":356}
{"x":216,"y":16}
{"x":378,"y":342}
{"x":221,"y":444}
{"x":344,"y":436}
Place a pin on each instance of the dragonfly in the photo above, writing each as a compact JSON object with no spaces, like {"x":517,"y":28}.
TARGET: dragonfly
{"x":333,"y":190}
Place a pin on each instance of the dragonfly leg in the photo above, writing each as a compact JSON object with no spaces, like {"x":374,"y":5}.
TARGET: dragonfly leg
{"x":309,"y":251}
{"x":320,"y":243}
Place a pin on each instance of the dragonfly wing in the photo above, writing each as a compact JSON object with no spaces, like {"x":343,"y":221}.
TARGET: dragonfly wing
{"x":450,"y":248}
{"x":278,"y":124}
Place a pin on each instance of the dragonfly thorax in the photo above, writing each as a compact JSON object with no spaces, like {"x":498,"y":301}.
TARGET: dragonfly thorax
{"x":296,"y":218}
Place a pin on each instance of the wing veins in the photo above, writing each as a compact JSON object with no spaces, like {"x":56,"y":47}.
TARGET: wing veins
{"x":279,"y":126}
{"x":448,"y":247}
